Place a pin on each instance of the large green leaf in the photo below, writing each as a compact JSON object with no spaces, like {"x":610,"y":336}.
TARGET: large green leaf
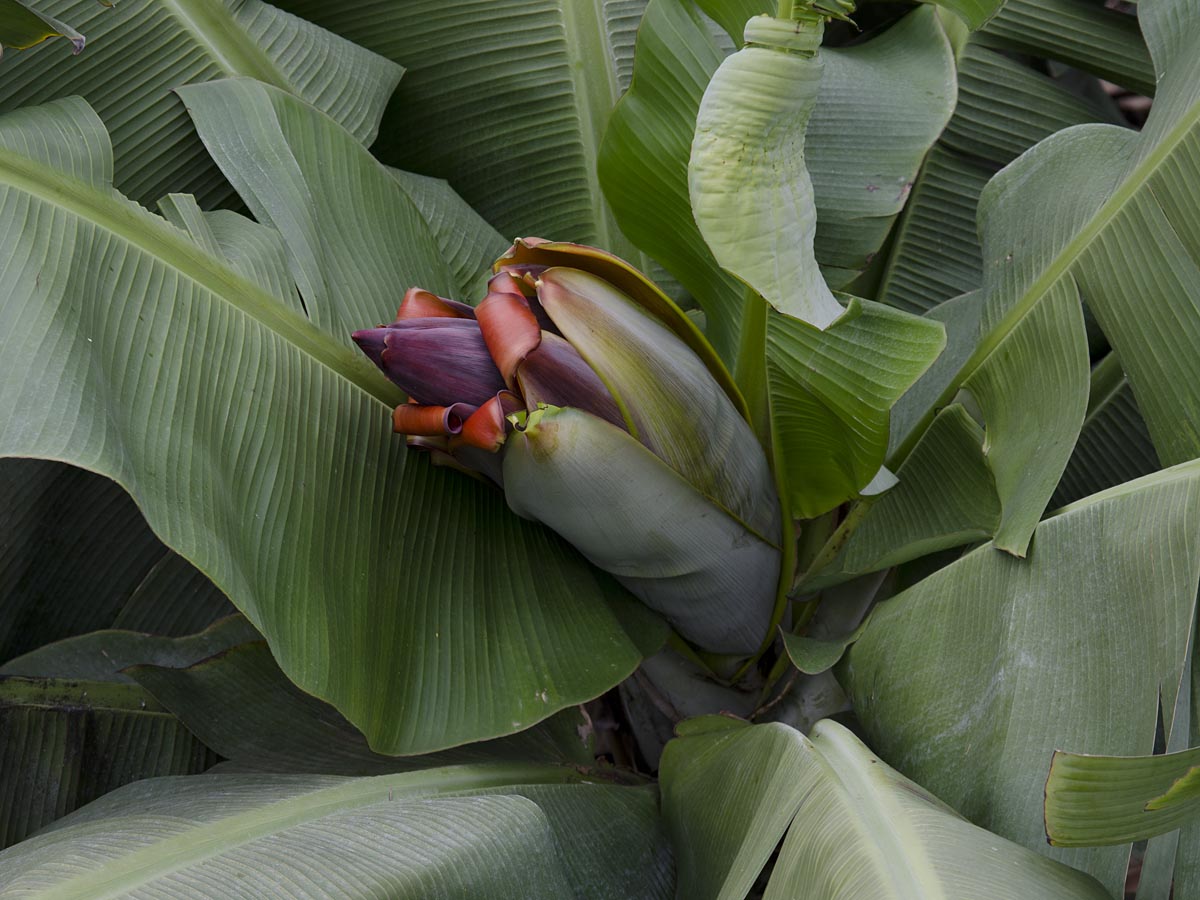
{"x":140,"y":50}
{"x":259,"y":448}
{"x":506,"y":100}
{"x":1004,"y":108}
{"x":1104,"y":189}
{"x":903,"y":77}
{"x":968,"y":681}
{"x":22,"y":28}
{"x":880,"y":107}
{"x":63,"y":743}
{"x":1029,"y":371}
{"x":856,"y":829}
{"x":467,"y":243}
{"x":1135,"y":255}
{"x":831,"y":393}
{"x":500,"y":831}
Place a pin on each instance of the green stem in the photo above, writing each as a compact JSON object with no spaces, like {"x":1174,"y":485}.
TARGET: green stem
{"x":814,"y":534}
{"x":750,"y":370}
{"x":784,"y":9}
{"x":837,"y":541}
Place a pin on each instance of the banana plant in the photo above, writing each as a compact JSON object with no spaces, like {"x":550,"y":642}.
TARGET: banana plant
{"x":789,"y":519}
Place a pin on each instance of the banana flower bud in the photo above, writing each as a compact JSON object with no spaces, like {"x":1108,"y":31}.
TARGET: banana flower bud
{"x":583,"y":391}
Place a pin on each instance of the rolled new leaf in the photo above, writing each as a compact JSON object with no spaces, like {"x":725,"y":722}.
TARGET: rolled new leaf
{"x":750,"y":189}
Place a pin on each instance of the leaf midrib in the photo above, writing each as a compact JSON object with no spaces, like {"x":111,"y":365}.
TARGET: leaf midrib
{"x":896,"y":844}
{"x":169,"y":246}
{"x":586,"y":36}
{"x":1060,"y":266}
{"x":119,"y":876}
{"x":215,"y":28}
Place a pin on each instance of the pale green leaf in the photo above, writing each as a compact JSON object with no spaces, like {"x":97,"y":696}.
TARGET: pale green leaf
{"x":1038,"y":635}
{"x":258,"y":447}
{"x":1093,"y":209}
{"x":880,"y":107}
{"x":1029,"y":376}
{"x":465,"y":241}
{"x":141,"y":50}
{"x":729,"y":791}
{"x":1136,"y":258}
{"x":856,"y":829}
{"x":831,"y":393}
{"x":1096,"y":800}
{"x":501,"y":831}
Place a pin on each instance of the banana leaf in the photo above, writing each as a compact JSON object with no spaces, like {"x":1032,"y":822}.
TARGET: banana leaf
{"x":139,"y":51}
{"x":1038,"y":635}
{"x":504,"y":830}
{"x":179,"y":363}
{"x":855,"y":828}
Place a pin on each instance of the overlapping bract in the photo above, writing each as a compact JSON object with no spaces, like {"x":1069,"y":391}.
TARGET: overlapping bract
{"x":579,"y":388}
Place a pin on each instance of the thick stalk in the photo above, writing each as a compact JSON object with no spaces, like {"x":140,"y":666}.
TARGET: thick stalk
{"x":750,"y":369}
